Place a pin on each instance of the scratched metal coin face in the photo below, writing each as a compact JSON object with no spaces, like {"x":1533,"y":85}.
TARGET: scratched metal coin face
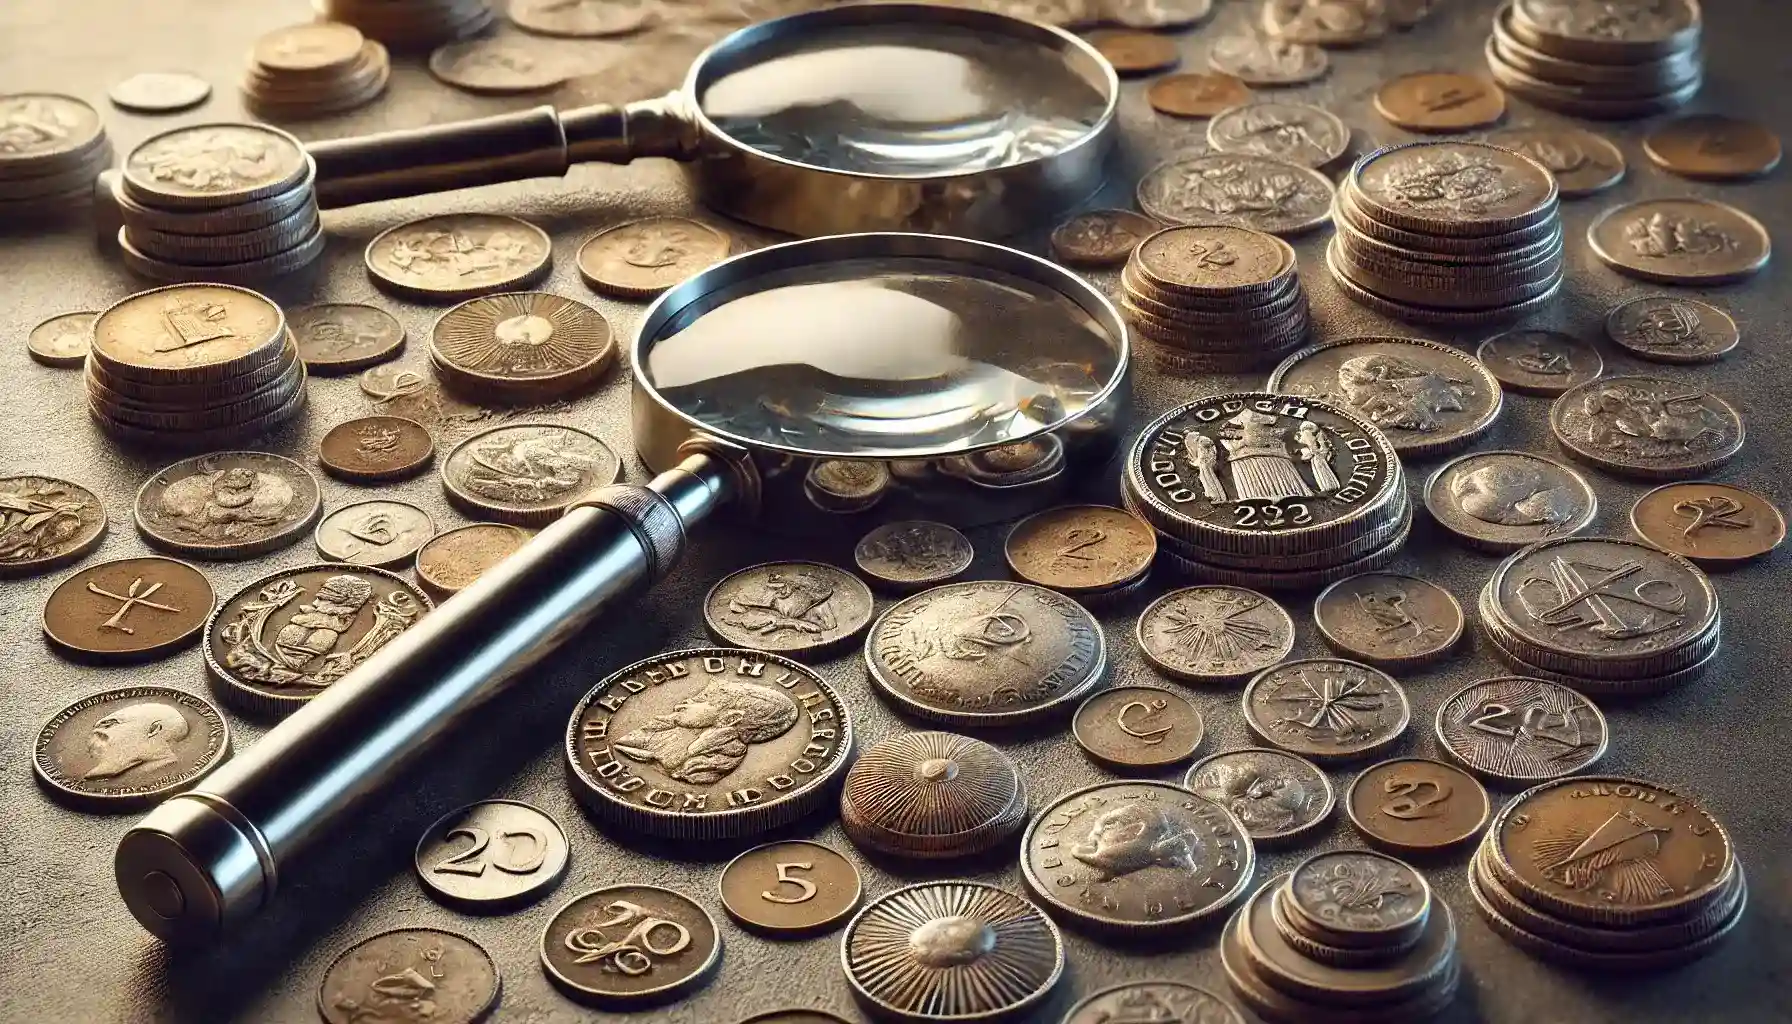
{"x":1680,"y":241}
{"x":912,"y":553}
{"x":1388,"y":619}
{"x":228,"y":505}
{"x":1080,"y":548}
{"x":1503,"y":501}
{"x":451,"y":973}
{"x":1238,"y":189}
{"x":46,"y":523}
{"x":212,"y":165}
{"x":128,"y":747}
{"x":1150,"y":1002}
{"x":1278,"y":797}
{"x":1715,"y":525}
{"x":1426,"y":397}
{"x":1647,"y":427}
{"x":458,"y":256}
{"x":1327,"y":709}
{"x":1299,"y":133}
{"x":1672,"y":329}
{"x":1366,"y":896}
{"x":788,"y":607}
{"x":1214,"y":633}
{"x":1137,"y":727}
{"x":342,"y":337}
{"x":628,"y":946}
{"x":1515,"y":729}
{"x":492,"y":856}
{"x":1603,"y":599}
{"x":380,"y":533}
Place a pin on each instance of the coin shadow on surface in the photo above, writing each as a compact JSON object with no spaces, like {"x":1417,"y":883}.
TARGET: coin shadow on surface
{"x":719,"y":851}
{"x":991,"y":864}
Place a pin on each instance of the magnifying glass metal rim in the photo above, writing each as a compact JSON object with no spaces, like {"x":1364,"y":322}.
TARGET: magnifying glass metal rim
{"x":871,"y":245}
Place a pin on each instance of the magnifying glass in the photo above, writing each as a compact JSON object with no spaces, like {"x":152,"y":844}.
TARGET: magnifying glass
{"x":867,"y":117}
{"x":837,"y":382}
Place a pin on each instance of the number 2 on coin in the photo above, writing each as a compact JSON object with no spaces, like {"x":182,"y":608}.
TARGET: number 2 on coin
{"x":514,"y":858}
{"x":1410,"y":801}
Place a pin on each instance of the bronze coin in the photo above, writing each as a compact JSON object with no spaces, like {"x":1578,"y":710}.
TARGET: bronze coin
{"x":450,"y":974}
{"x":1135,"y":53}
{"x":373,"y":449}
{"x":342,"y":337}
{"x":1100,"y":238}
{"x":791,"y":889}
{"x":932,"y":795}
{"x":1416,"y":805}
{"x":1514,"y":729}
{"x":788,"y":607}
{"x":521,"y":346}
{"x":1714,"y":147}
{"x":1715,"y":525}
{"x":46,"y":523}
{"x":1196,"y":94}
{"x":912,"y":553}
{"x":228,"y":505}
{"x":63,"y":340}
{"x":1583,"y":162}
{"x":128,"y":747}
{"x":381,"y":533}
{"x":451,"y":561}
{"x":1388,"y":619}
{"x":642,"y":258}
{"x":1328,"y":709}
{"x":627,"y":946}
{"x":1138,"y":727}
{"x":1078,"y":549}
{"x":130,"y":609}
{"x":1439,"y":101}
{"x":795,"y":1017}
{"x":494,"y":855}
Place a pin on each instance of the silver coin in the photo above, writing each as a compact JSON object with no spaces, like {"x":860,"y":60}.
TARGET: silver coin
{"x":128,"y":747}
{"x":1583,"y":162}
{"x":788,"y":607}
{"x":1214,"y":633}
{"x":381,"y":533}
{"x":1358,"y":899}
{"x":1609,"y":33}
{"x":48,"y":133}
{"x":458,"y":256}
{"x":1263,"y":61}
{"x":1299,"y":133}
{"x":228,"y":505}
{"x":1388,"y":619}
{"x":580,"y":19}
{"x":1278,"y":797}
{"x":1505,"y":500}
{"x":159,"y":92}
{"x":1647,"y":427}
{"x":912,"y":553}
{"x":1428,"y":398}
{"x":1670,"y":329}
{"x":491,"y":856}
{"x":498,"y":67}
{"x":1327,"y":709}
{"x":1325,"y":22}
{"x":1519,"y":730}
{"x":1680,"y":241}
{"x":1151,"y":1002}
{"x":1454,"y":188}
{"x":526,"y":474}
{"x":211,"y":165}
{"x":1540,"y":362}
{"x":1236,"y":189}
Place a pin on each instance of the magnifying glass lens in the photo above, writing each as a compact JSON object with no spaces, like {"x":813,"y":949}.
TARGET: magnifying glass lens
{"x":904,"y":100}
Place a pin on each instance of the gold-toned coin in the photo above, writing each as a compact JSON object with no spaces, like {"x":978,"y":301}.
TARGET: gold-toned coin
{"x":1715,"y":525}
{"x":451,"y":561}
{"x":458,"y":256}
{"x":314,"y":47}
{"x":1714,"y":147}
{"x":1440,"y":101}
{"x":1196,"y":94}
{"x":128,"y":609}
{"x":1100,"y":238}
{"x":384,"y":534}
{"x":642,"y":258}
{"x":498,"y":66}
{"x":188,"y":333}
{"x":1416,"y":805}
{"x":1138,"y":727}
{"x":526,"y":474}
{"x":128,"y":747}
{"x":1080,"y":548}
{"x":63,"y":340}
{"x":1135,"y":53}
{"x":46,"y":523}
{"x":792,"y":889}
{"x":523,"y":346}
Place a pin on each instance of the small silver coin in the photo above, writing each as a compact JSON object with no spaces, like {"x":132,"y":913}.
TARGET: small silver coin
{"x":789,"y":607}
{"x":1520,"y":731}
{"x":1238,"y":189}
{"x":1539,"y":362}
{"x":1502,"y":501}
{"x":451,"y":974}
{"x":1262,"y":61}
{"x":159,"y":92}
{"x":526,"y":474}
{"x":1647,"y":427}
{"x":1671,"y":329}
{"x":1278,"y":797}
{"x":1328,"y":709}
{"x":1214,"y":633}
{"x":1427,"y":397}
{"x":1682,"y":241}
{"x":1324,"y":894}
{"x":128,"y":747}
{"x":492,"y":856}
{"x":1388,"y":619}
{"x":913,"y":553}
{"x":382,"y":533}
{"x":1299,"y":133}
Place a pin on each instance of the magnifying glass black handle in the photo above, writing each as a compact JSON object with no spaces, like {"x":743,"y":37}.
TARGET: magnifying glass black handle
{"x":209,"y":859}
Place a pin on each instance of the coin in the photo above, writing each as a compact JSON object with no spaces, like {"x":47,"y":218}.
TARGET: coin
{"x":205,"y":166}
{"x":642,"y":258}
{"x":1278,"y":797}
{"x":521,"y":346}
{"x":128,"y":609}
{"x":1325,"y":22}
{"x":1388,"y":619}
{"x":1238,"y":189}
{"x":951,"y":950}
{"x":1669,"y":329}
{"x":284,"y":638}
{"x":1080,"y":548}
{"x":932,"y":796}
{"x":1150,"y":14}
{"x":51,"y":133}
{"x":1298,"y":133}
{"x":1214,"y":633}
{"x":1262,"y":61}
{"x":458,"y":256}
{"x":526,"y":474}
{"x":496,"y":67}
{"x":1504,"y":500}
{"x":1135,"y":53}
{"x":846,"y":485}
{"x":1327,"y":709}
{"x":129,"y":747}
{"x":1416,"y":805}
{"x":1647,"y":427}
{"x":1539,"y":362}
{"x":1714,"y":147}
{"x":1357,"y":899}
{"x":1196,"y":94}
{"x":386,"y":534}
{"x":1503,"y":191}
{"x":1410,"y":986}
{"x":792,"y":889}
{"x":912,"y":553}
{"x":1714,"y":525}
{"x":1100,"y":238}
{"x":343,"y":337}
{"x":788,"y":607}
{"x":580,"y":19}
{"x":1137,"y":727}
{"x":63,"y":340}
{"x":46,"y":523}
{"x":317,"y":46}
{"x":795,"y":1016}
{"x":187,"y":333}
{"x":159,"y":92}
{"x":1680,"y":241}
{"x":228,"y":505}
{"x":1171,"y":1002}
{"x":450,"y":562}
{"x":1212,"y":261}
{"x":1516,"y":729}
{"x":449,"y":973}
{"x":1583,"y":162}
{"x":1439,"y":101}
{"x":628,"y":946}
{"x":492,"y":856}
{"x":711,"y":743}
{"x":373,"y":449}
{"x":985,"y":653}
{"x":1427,"y":397}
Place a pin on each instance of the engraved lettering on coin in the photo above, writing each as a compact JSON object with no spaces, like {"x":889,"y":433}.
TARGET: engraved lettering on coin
{"x":1265,"y":61}
{"x":376,"y":448}
{"x":214,"y":163}
{"x":128,"y":609}
{"x":186,"y":332}
{"x":580,"y":19}
{"x":1326,"y":708}
{"x":1275,"y":795}
{"x":1647,"y":427}
{"x":1358,"y":892}
{"x":1425,"y":396}
{"x":642,"y":258}
{"x":492,"y":855}
{"x":1583,"y":162}
{"x":788,"y":607}
{"x":1680,"y":241}
{"x":1459,"y":183}
{"x":1214,"y":633}
{"x":913,"y":553}
{"x":1100,"y":238}
{"x":498,"y":66}
{"x":790,"y":889}
{"x":410,"y":974}
{"x":1603,"y":597}
{"x":458,"y":256}
{"x":128,"y":747}
{"x":1517,"y":729}
{"x":228,"y":505}
{"x":451,"y":561}
{"x":1667,"y":329}
{"x":46,"y":523}
{"x":1539,"y":362}
{"x":527,"y":474}
{"x":1080,"y":548}
{"x":1296,"y":132}
{"x":342,"y":337}
{"x":631,"y":945}
{"x":1503,"y":501}
{"x":1388,"y":619}
{"x":63,"y":340}
{"x":1153,"y":1002}
{"x":1416,"y":805}
{"x":1127,"y":727}
{"x":1714,"y":525}
{"x":35,"y":126}
{"x":1238,"y":189}
{"x":381,"y":533}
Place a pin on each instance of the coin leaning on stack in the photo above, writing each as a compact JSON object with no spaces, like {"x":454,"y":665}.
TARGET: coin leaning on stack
{"x":1215,"y":299}
{"x":50,"y":152}
{"x":1599,"y":60}
{"x":410,"y":24}
{"x":310,"y":70}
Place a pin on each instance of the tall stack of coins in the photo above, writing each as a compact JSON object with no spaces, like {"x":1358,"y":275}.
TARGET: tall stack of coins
{"x":193,"y":366}
{"x":1216,"y":299}
{"x":1599,"y":60}
{"x":1448,"y":233}
{"x":410,"y":24}
{"x":219,"y":202}
{"x":1608,"y":873}
{"x":310,"y":70}
{"x":51,"y":149}
{"x":1268,"y":491}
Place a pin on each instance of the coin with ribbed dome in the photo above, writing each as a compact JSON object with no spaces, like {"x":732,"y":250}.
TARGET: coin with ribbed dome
{"x":932,"y":795}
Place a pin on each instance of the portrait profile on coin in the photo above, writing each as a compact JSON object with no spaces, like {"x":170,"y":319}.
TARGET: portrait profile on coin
{"x":1133,"y":837}
{"x":1514,"y":494}
{"x":1402,"y":393}
{"x":135,"y":736}
{"x":706,"y":736}
{"x":1263,"y":798}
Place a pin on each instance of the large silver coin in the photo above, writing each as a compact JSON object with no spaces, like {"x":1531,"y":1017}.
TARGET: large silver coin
{"x":1262,"y":61}
{"x":1515,"y":729}
{"x":1680,"y":241}
{"x":1214,"y":633}
{"x":1427,"y":397}
{"x":1459,"y":189}
{"x":1327,"y":709}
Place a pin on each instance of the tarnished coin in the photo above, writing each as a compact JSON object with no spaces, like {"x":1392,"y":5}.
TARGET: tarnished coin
{"x":629,"y":946}
{"x":46,"y":132}
{"x":284,"y":638}
{"x":63,"y":340}
{"x":1439,"y":101}
{"x":1171,"y":1002}
{"x":46,"y":523}
{"x":128,"y":747}
{"x":1298,"y":133}
{"x":373,"y":449}
{"x":1427,"y":397}
{"x":1214,"y":260}
{"x":492,"y":856}
{"x":213,"y":165}
{"x":788,"y":607}
{"x":985,"y":653}
{"x":1415,"y":805}
{"x":642,"y":258}
{"x":1100,"y":238}
{"x":1388,"y":619}
{"x":1278,"y":797}
{"x":1680,"y":241}
{"x":1137,"y":727}
{"x":1214,"y":633}
{"x":1327,"y":709}
{"x":580,"y":19}
{"x":792,"y":889}
{"x":795,"y":1016}
{"x":1196,"y":94}
{"x":1670,"y":329}
{"x":159,"y":92}
{"x":1080,"y":548}
{"x":458,"y":256}
{"x":228,"y":505}
{"x":1453,"y":189}
{"x":912,"y":553}
{"x":1325,"y":22}
{"x":1357,"y":899}
{"x":1135,"y":53}
{"x":1583,"y":162}
{"x":187,"y":333}
{"x":846,"y":485}
{"x":451,"y":561}
{"x":1505,"y":500}
{"x":1714,"y":525}
{"x":1156,"y":14}
{"x":1264,"y":61}
{"x":129,"y":609}
{"x":1234,"y":188}
{"x":382,"y":533}
{"x":497,"y":66}
{"x":1514,"y":729}
{"x":451,"y":974}
{"x":526,"y":474}
{"x":1612,"y":33}
{"x":1647,"y":427}
{"x":343,"y":337}
{"x":1714,"y":147}
{"x":1531,"y":361}
{"x":530,"y":346}
{"x":932,"y":796}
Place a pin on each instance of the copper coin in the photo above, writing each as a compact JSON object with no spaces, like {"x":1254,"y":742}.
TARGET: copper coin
{"x":1388,"y":619}
{"x":1517,"y":729}
{"x":792,"y":889}
{"x":1714,"y":147}
{"x":1153,"y":1002}
{"x":1671,"y":329}
{"x":1583,"y":162}
{"x":450,"y":562}
{"x":1080,"y":548}
{"x":788,"y":607}
{"x":527,"y":474}
{"x":450,"y":974}
{"x":62,"y":341}
{"x":1135,"y":53}
{"x":1531,"y":361}
{"x":1100,"y":238}
{"x":1714,"y":525}
{"x":1328,"y":897}
{"x":1439,"y":101}
{"x":1327,"y":709}
{"x":382,"y":533}
{"x":795,"y":1017}
{"x":1138,"y":727}
{"x":1680,"y":241}
{"x":130,"y":609}
{"x":228,"y":505}
{"x":1279,"y":797}
{"x":627,"y":946}
{"x":1214,"y":633}
{"x":342,"y":337}
{"x":128,"y":747}
{"x":642,"y":258}
{"x":46,"y":523}
{"x":494,"y":855}
{"x":1416,"y":805}
{"x":374,"y":449}
{"x":521,"y":345}
{"x":912,"y":553}
{"x":1196,"y":94}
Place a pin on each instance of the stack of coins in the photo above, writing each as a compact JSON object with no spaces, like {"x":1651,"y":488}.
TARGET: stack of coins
{"x":1599,"y":60}
{"x":51,"y":149}
{"x":1216,"y":299}
{"x":219,"y":202}
{"x":1347,"y":935}
{"x":1268,"y":491}
{"x":193,"y":366}
{"x":1608,"y":873}
{"x":311,"y":70}
{"x":410,"y":24}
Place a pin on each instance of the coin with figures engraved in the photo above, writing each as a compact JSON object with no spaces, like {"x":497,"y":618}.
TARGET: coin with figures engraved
{"x":630,"y":946}
{"x":1239,"y":189}
{"x":1388,"y":619}
{"x":1298,"y":133}
{"x":1325,"y":22}
{"x":526,"y":346}
{"x":1357,"y":899}
{"x":642,"y":258}
{"x":1416,"y":805}
{"x":1196,"y":94}
{"x":1532,"y":361}
{"x":526,"y":474}
{"x":1327,"y":709}
{"x":1670,"y":329}
{"x":46,"y":523}
{"x":1647,"y":427}
{"x":187,"y":333}
{"x":791,"y":889}
{"x":129,"y":609}
{"x":788,"y":607}
{"x":1427,"y":397}
{"x":1157,"y":14}
{"x":1100,"y":238}
{"x":45,"y":133}
{"x":373,"y":449}
{"x":1264,"y":61}
{"x":1080,"y":548}
{"x":497,"y":66}
{"x":1514,"y":729}
{"x":458,"y":256}
{"x":408,"y":967}
{"x":343,"y":337}
{"x":451,"y":561}
{"x":492,"y":856}
{"x":1714,"y":525}
{"x":580,"y":19}
{"x":1152,"y":1002}
{"x":1583,"y":162}
{"x":1504,"y":500}
{"x":63,"y":340}
{"x":1126,"y":727}
{"x":128,"y":747}
{"x":204,"y":166}
{"x":382,"y":533}
{"x":932,"y":796}
{"x":1214,"y":633}
{"x":1714,"y":147}
{"x":1439,"y":101}
{"x":912,"y":553}
{"x":1455,"y":189}
{"x":1278,"y":797}
{"x":1680,"y":241}
{"x":228,"y":505}
{"x":1135,"y":53}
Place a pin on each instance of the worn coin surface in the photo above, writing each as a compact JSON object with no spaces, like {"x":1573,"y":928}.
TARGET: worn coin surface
{"x":1358,"y":898}
{"x":1504,"y":500}
{"x":159,"y":92}
{"x":213,"y":165}
{"x":1151,"y":1002}
{"x":788,"y":607}
{"x":626,"y":946}
{"x":311,"y":47}
{"x":1213,"y":261}
{"x":374,"y":449}
{"x":1647,"y":427}
{"x":458,"y":256}
{"x":1439,"y":101}
{"x":1427,"y":397}
{"x":1298,"y":133}
{"x":1154,"y":14}
{"x":228,"y":505}
{"x":1278,"y":797}
{"x":1532,"y":361}
{"x":128,"y":609}
{"x":1413,"y":985}
{"x":1080,"y":548}
{"x":1135,"y":53}
{"x":46,"y":523}
{"x":451,"y":561}
{"x":1325,"y":22}
{"x":526,"y":474}
{"x":46,"y":130}
{"x":381,"y":532}
{"x":187,"y":333}
{"x":128,"y":747}
{"x":1671,"y":329}
{"x":492,"y":856}
{"x":1236,"y":188}
{"x":451,"y":974}
{"x":912,"y":553}
{"x":1327,"y":709}
{"x":63,"y":340}
{"x":1137,"y":727}
{"x":534,"y":345}
{"x":1416,"y":805}
{"x":1389,"y":619}
{"x":1514,"y":729}
{"x":1714,"y":525}
{"x":1196,"y":93}
{"x":1468,"y":189}
{"x":1714,"y":147}
{"x":932,"y":795}
{"x":1100,"y":238}
{"x":790,"y":889}
{"x":642,"y":258}
{"x":1265,"y":61}
{"x":1214,"y":633}
{"x":1583,"y":162}
{"x":580,"y":19}
{"x":343,"y":337}
{"x":497,"y":66}
{"x":1680,"y":241}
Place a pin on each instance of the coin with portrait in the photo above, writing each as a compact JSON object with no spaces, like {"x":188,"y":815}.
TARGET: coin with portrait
{"x":912,"y":553}
{"x":1504,"y":500}
{"x":1214,"y":633}
{"x":1147,"y":727}
{"x":1515,"y":729}
{"x":788,"y":607}
{"x":492,"y":856}
{"x":128,"y":609}
{"x":381,"y":533}
{"x":1328,"y":709}
{"x":128,"y":747}
{"x":629,"y":946}
{"x":642,"y":258}
{"x":1416,"y":805}
{"x":1278,"y":797}
{"x":450,"y":973}
{"x":1715,"y":525}
{"x":790,"y":889}
{"x":1671,"y":329}
{"x":1427,"y":397}
{"x":1539,"y":362}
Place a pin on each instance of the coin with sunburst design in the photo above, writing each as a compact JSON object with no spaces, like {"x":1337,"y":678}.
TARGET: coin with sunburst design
{"x":521,"y":346}
{"x":932,"y":795}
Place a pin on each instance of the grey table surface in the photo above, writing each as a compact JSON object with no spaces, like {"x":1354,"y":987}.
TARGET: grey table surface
{"x":73,"y":953}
